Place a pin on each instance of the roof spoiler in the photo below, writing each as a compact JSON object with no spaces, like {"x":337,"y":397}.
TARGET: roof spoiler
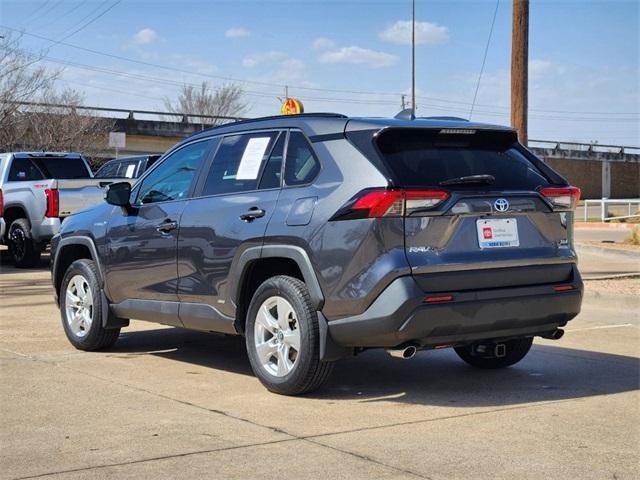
{"x":409,"y":114}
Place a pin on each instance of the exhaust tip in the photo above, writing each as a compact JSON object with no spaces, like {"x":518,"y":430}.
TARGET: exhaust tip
{"x":554,"y":335}
{"x":404,"y":353}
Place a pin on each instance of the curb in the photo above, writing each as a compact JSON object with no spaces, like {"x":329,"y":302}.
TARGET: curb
{"x":606,"y":226}
{"x":606,"y":251}
{"x":614,"y":301}
{"x":617,"y":276}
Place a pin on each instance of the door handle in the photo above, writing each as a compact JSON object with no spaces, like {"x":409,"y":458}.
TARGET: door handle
{"x":252,"y":214}
{"x":167,"y":226}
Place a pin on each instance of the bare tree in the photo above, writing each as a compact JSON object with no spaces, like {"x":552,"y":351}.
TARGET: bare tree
{"x":57,"y":125}
{"x":21,"y":79}
{"x":225,"y":101}
{"x":33,"y":115}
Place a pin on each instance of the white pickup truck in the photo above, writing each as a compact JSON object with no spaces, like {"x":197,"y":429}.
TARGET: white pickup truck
{"x":37,"y":191}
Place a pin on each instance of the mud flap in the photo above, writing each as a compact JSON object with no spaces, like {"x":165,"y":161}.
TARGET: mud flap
{"x":329,"y":350}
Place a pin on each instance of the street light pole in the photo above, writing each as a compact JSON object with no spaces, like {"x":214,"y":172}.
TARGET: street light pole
{"x":413,"y":57}
{"x":520,"y":68}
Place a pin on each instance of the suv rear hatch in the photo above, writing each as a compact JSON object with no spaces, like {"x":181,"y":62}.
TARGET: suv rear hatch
{"x":480,"y":211}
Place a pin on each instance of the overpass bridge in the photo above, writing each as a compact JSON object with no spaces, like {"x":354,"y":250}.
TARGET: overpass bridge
{"x":599,"y":170}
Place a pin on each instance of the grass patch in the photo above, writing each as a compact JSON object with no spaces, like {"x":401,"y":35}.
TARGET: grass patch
{"x":634,"y":237}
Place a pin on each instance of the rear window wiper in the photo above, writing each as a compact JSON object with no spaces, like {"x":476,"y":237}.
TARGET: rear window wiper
{"x":470,"y":179}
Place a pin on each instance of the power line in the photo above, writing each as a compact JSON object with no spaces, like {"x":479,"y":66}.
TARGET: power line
{"x":65,"y":14}
{"x":484,"y":58}
{"x":94,"y":19}
{"x":279,"y":86}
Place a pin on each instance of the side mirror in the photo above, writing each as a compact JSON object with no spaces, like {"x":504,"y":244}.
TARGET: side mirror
{"x":118,"y":194}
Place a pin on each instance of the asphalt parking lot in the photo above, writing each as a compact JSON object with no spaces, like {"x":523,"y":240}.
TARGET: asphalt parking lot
{"x":169,"y":403}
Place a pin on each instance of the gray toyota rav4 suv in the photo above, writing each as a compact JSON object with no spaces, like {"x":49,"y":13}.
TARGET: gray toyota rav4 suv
{"x":318,"y":236}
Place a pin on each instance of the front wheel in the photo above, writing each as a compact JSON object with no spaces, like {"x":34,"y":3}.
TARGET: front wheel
{"x":81,"y":308}
{"x":484,"y":356}
{"x":283,"y":338}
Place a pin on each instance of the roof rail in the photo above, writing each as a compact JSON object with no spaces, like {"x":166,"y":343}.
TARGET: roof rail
{"x":272,"y":117}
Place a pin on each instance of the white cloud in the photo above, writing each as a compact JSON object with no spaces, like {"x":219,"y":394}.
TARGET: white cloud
{"x":359,"y":56}
{"x":538,"y":68}
{"x":261,"y":58}
{"x":237,"y":32}
{"x":146,"y":36}
{"x":323,"y":43}
{"x":426,"y":32}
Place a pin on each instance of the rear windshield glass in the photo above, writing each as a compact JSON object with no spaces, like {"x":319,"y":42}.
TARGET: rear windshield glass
{"x":427,"y":158}
{"x":62,"y":168}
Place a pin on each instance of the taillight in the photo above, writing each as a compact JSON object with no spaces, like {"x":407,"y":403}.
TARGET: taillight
{"x":53,"y":203}
{"x":391,"y":203}
{"x":562,"y":198}
{"x":1,"y":204}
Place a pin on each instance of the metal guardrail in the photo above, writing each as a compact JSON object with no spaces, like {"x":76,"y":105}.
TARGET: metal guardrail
{"x":604,"y":208}
{"x":130,"y":113}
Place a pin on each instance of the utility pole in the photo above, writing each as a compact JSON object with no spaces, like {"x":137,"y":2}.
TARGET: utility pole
{"x":402,"y":101}
{"x":520,"y":68}
{"x":413,"y":58}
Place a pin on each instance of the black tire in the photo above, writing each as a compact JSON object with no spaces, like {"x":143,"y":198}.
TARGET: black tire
{"x":308,"y":372}
{"x":95,"y":337}
{"x":514,"y":352}
{"x":24,"y":251}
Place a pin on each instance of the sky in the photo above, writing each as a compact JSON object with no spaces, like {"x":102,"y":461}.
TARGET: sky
{"x":351,"y":57}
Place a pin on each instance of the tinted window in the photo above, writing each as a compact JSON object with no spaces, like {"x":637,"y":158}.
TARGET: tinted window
{"x":23,"y":169}
{"x":425,"y":158}
{"x":108,"y":170}
{"x":237,"y":164}
{"x":62,"y":167}
{"x":172,"y":179}
{"x":301,"y":166}
{"x":127,"y":169}
{"x":273,"y":169}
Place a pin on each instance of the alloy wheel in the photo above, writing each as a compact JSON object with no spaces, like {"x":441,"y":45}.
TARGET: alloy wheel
{"x":79,"y":306}
{"x":276,"y":336}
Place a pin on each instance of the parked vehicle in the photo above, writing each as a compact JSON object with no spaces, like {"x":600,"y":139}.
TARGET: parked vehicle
{"x":37,"y":191}
{"x":317,"y":236}
{"x":126,"y":167}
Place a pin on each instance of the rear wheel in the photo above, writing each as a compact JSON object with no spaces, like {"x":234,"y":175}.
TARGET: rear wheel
{"x":81,"y":308}
{"x":24,"y":251}
{"x":283,"y":339}
{"x":494,"y":355}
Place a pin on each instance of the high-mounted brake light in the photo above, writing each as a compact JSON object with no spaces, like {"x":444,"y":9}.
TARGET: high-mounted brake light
{"x":562,"y":198}
{"x":392,"y":203}
{"x":53,"y":203}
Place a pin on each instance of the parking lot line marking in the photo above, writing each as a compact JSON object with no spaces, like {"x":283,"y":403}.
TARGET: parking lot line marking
{"x":599,"y":327}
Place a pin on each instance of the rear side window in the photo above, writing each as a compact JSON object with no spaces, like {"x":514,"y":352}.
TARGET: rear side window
{"x":426,"y":158}
{"x":108,"y":170}
{"x":237,"y":164}
{"x":301,"y":165}
{"x":24,"y":170}
{"x":127,"y":169}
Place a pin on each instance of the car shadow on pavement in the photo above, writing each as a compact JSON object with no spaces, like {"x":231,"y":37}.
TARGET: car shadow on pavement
{"x":548,"y":373}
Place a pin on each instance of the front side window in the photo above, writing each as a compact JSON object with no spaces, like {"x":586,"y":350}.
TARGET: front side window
{"x":238,"y":163}
{"x":301,"y":165}
{"x":172,"y":179}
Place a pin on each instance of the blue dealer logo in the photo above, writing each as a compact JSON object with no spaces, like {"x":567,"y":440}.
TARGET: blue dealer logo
{"x":501,"y":205}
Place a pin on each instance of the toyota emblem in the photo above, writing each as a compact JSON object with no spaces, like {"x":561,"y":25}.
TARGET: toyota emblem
{"x":501,"y":205}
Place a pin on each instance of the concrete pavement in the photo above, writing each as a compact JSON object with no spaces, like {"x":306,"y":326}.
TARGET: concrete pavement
{"x":169,"y":403}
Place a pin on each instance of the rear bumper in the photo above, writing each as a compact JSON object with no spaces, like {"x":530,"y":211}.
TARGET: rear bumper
{"x":400,"y":315}
{"x":43,"y":231}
